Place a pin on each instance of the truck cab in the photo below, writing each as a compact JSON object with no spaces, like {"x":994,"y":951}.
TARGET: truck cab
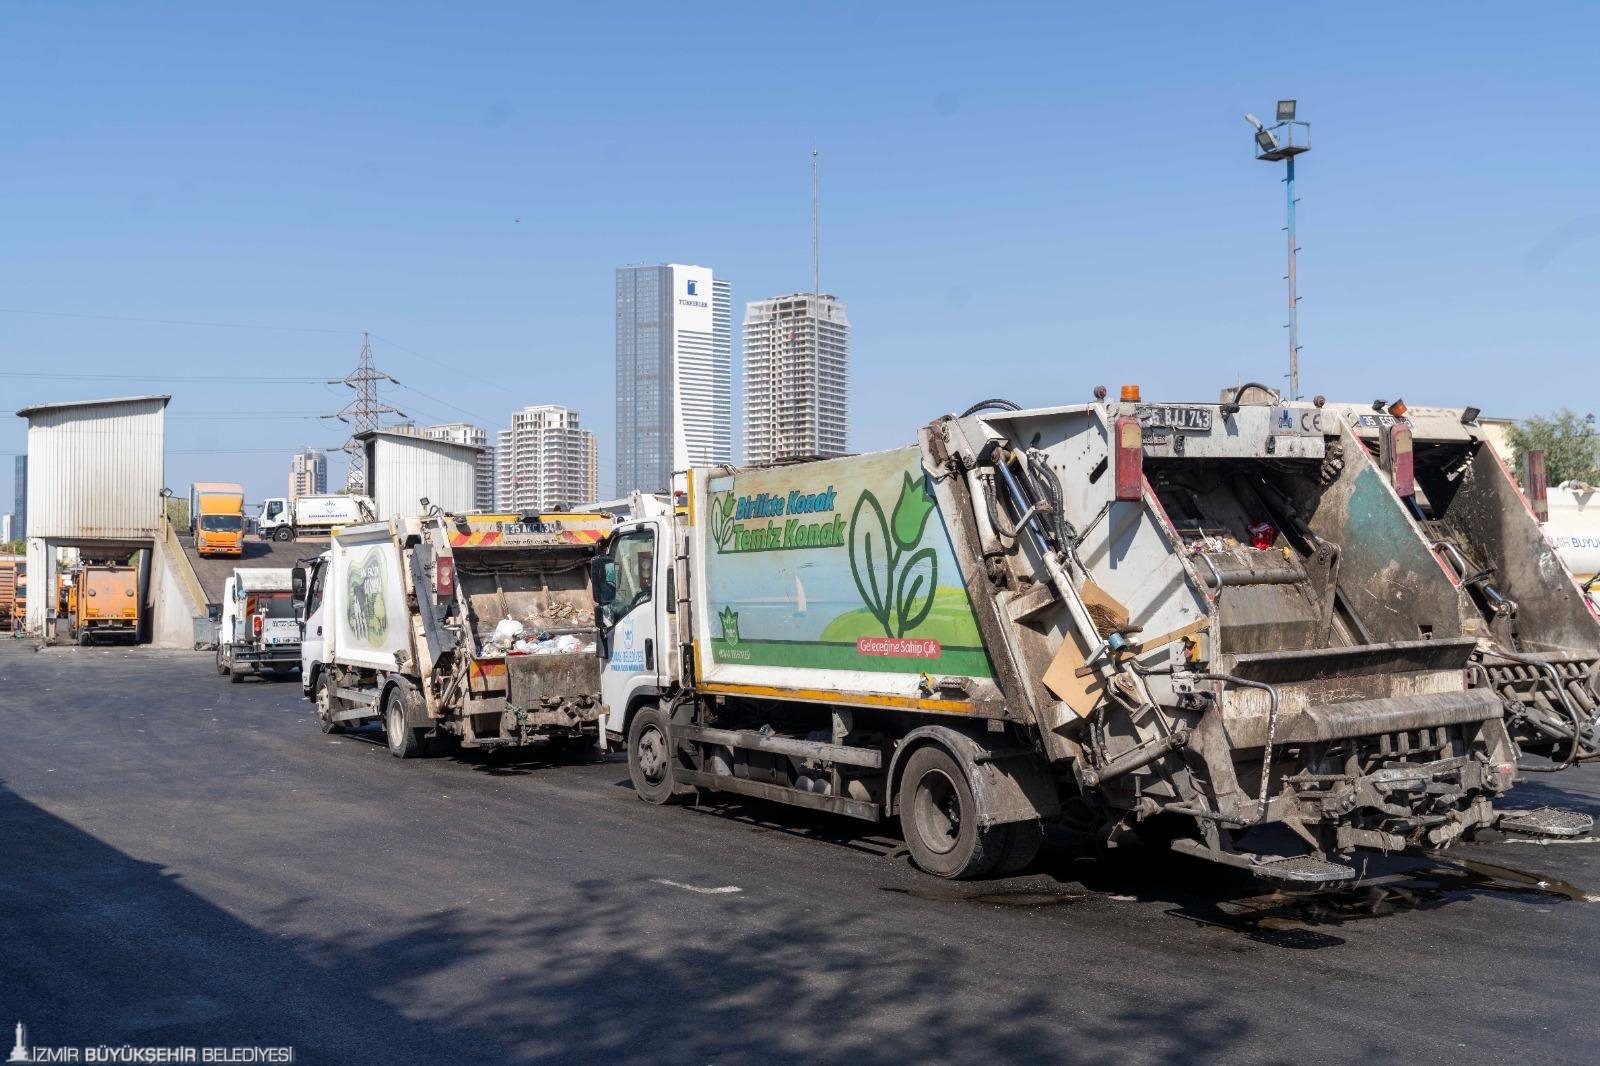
{"x":636,"y":609}
{"x":216,"y":515}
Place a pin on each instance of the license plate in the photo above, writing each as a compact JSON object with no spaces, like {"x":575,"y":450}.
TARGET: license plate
{"x":1156,"y":418}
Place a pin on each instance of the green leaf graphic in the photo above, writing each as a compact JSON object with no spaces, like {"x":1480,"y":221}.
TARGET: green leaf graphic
{"x":911,"y":512}
{"x":914,"y":597}
{"x":872,"y":567}
{"x":730,"y":625}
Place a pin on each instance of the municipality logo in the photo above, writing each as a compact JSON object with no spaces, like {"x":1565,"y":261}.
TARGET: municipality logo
{"x":693,"y":288}
{"x":19,"y":1053}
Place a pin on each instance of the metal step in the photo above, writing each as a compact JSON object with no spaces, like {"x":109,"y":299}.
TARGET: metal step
{"x":1545,"y":822}
{"x":1301,"y":869}
{"x":1298,"y":869}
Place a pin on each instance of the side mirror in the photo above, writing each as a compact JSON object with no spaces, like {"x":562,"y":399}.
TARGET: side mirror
{"x":297,"y":582}
{"x":605,"y":589}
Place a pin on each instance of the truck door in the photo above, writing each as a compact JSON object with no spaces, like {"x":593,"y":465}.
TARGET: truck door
{"x":311,"y":639}
{"x":625,"y":597}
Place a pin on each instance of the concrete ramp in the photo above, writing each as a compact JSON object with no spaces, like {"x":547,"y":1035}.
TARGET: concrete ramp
{"x":214,"y":572}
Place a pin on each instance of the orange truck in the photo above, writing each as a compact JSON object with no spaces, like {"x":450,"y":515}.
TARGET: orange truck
{"x":8,"y":593}
{"x":103,"y":603}
{"x":216,"y":518}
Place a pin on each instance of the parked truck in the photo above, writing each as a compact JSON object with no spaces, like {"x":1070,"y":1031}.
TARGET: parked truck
{"x":103,"y":603}
{"x":259,"y":630}
{"x":1538,"y":637}
{"x":476,"y":630}
{"x":216,"y":518}
{"x":1574,"y":531}
{"x":1199,"y":622}
{"x":313,"y":516}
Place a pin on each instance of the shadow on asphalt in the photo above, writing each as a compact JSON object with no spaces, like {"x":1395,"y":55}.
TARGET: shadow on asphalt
{"x":101,"y":948}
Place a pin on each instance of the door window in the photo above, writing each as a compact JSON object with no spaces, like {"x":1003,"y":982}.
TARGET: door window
{"x":630,"y":568}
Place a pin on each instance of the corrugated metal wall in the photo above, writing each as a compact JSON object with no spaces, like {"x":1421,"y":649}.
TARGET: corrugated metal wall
{"x":402,"y":470}
{"x":96,"y":471}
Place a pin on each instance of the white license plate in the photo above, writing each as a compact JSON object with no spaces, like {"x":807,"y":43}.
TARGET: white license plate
{"x":1158,"y":417}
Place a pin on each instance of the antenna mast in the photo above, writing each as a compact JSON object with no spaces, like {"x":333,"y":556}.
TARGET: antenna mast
{"x":361,"y":413}
{"x":816,"y":256}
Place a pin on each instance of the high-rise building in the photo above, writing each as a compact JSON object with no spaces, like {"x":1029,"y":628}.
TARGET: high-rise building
{"x":546,"y":460}
{"x":308,"y":473}
{"x":796,"y":378}
{"x":674,"y":373}
{"x":19,"y":520}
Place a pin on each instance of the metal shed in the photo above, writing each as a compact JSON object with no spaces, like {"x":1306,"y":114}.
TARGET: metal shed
{"x":95,"y":469}
{"x":403,"y":470}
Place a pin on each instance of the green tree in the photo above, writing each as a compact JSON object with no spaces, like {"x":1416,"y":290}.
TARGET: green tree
{"x":1571,"y":449}
{"x":178,"y":513}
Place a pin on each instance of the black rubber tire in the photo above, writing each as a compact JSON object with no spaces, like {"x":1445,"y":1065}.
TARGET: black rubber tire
{"x":939,"y":817}
{"x":651,"y":759}
{"x":397,"y":733}
{"x":235,"y":675}
{"x":222,"y":668}
{"x":283,"y":534}
{"x":326,"y":704}
{"x":1023,"y":841}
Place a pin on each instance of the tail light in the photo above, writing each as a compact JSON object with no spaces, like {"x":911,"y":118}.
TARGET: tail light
{"x":444,"y":577}
{"x":1129,"y":450}
{"x":1263,"y":535}
{"x":255,"y":625}
{"x":1402,"y":471}
{"x":1537,"y":490}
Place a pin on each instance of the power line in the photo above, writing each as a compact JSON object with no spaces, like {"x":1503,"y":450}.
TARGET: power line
{"x":45,"y":375}
{"x":175,"y":321}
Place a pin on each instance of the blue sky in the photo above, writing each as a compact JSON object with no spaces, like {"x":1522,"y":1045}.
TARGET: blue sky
{"x":1018,"y":200}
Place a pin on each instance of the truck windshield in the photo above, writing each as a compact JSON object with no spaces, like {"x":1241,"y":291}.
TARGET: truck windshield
{"x":222,"y":523}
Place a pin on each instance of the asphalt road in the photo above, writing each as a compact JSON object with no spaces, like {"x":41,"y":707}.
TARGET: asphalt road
{"x":188,"y":862}
{"x":214,"y":572}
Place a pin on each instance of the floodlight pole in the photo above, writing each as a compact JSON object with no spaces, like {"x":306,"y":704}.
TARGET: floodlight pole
{"x":1294,"y":299}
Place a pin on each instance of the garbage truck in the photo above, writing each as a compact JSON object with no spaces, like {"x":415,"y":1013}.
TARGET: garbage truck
{"x":1538,"y":635}
{"x":1211,"y":624}
{"x":469,"y":630}
{"x":102,"y":603}
{"x":313,"y":516}
{"x":259,"y":628}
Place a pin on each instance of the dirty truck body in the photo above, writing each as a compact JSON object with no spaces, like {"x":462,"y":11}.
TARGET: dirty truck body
{"x":399,"y":621}
{"x":103,"y":603}
{"x":258,"y":629}
{"x":1186,"y":620}
{"x":1538,"y":636}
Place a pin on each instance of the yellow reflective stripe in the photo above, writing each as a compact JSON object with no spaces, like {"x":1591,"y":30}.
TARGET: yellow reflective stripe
{"x":818,"y":695}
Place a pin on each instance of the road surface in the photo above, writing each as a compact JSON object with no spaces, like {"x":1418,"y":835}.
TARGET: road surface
{"x":188,"y":862}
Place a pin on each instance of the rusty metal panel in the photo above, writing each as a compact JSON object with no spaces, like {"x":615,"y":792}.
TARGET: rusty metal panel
{"x":403,"y":470}
{"x":95,"y":469}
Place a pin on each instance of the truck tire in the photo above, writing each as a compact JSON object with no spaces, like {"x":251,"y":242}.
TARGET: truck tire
{"x":397,"y":731}
{"x":222,"y":667}
{"x":651,"y":760}
{"x":283,"y":533}
{"x":327,"y":704}
{"x":236,"y":675}
{"x":1023,"y":841}
{"x":939,"y":816}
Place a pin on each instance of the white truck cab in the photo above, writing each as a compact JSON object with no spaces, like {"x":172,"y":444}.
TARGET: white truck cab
{"x":637,"y":597}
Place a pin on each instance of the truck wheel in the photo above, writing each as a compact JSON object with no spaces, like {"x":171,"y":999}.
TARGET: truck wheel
{"x":401,"y":737}
{"x":939,"y":817}
{"x":222,"y":667}
{"x":1023,"y":840}
{"x":283,"y":533}
{"x":326,"y":705}
{"x":236,"y":675}
{"x":651,"y":759}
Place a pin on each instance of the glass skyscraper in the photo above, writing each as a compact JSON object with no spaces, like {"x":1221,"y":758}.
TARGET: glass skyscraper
{"x":674,"y":373}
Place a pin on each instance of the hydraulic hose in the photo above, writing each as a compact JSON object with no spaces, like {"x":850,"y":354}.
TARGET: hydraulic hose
{"x":991,"y":405}
{"x":1272,"y":730}
{"x":1579,"y":728}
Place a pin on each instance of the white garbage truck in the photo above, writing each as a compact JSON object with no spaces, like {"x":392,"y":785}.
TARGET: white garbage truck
{"x":313,"y":516}
{"x":259,"y":630}
{"x":1212,"y":624}
{"x":475,"y":630}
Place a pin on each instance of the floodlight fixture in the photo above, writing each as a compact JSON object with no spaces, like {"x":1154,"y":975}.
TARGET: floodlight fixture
{"x":1266,"y":141}
{"x":1286,"y":110}
{"x":1257,"y":123}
